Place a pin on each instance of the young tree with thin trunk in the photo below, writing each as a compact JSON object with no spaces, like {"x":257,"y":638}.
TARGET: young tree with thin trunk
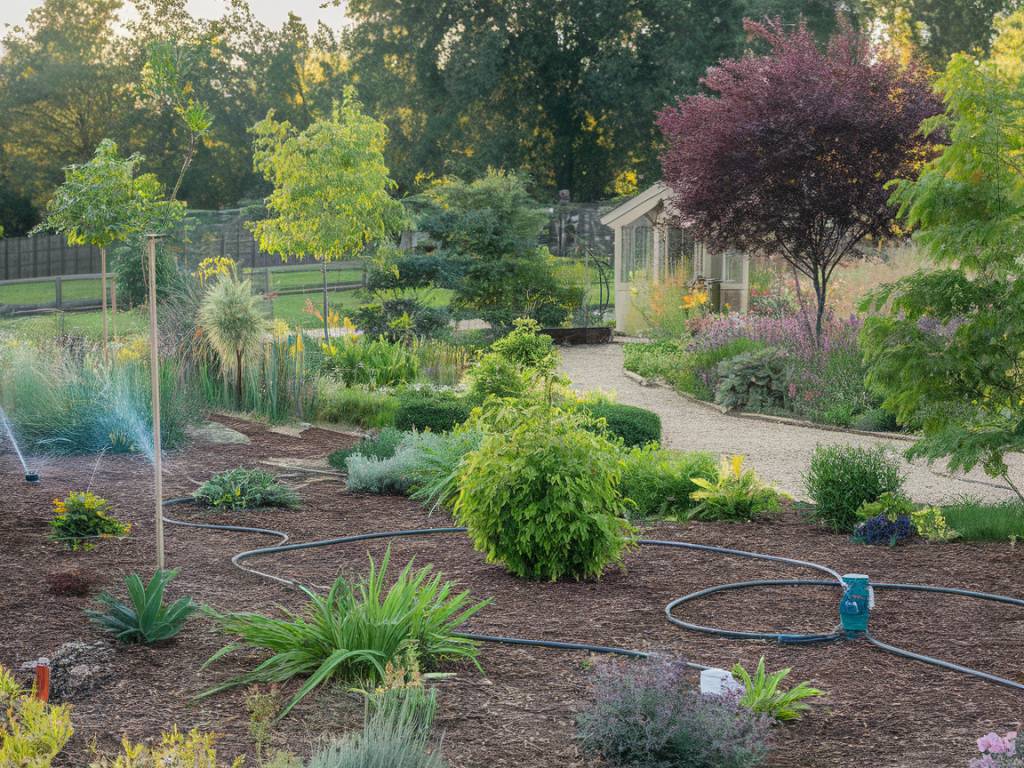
{"x":232,"y":322}
{"x":789,"y":153}
{"x":103,"y":202}
{"x":331,"y":187}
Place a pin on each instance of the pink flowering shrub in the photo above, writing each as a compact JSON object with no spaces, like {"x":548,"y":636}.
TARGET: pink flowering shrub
{"x":998,"y":752}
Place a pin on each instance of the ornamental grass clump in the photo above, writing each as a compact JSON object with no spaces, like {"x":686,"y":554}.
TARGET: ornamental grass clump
{"x":83,"y":518}
{"x":541,"y":496}
{"x":644,"y":714}
{"x":660,"y":483}
{"x":354,"y":632}
{"x":843,"y":477}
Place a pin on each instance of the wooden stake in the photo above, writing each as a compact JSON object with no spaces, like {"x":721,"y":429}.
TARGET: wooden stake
{"x":154,"y":375}
{"x":103,"y":286}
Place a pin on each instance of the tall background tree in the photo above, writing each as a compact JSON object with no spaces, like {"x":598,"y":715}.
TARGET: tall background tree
{"x":947,"y":352}
{"x":789,"y":153}
{"x":331,"y":188}
{"x":102,"y":202}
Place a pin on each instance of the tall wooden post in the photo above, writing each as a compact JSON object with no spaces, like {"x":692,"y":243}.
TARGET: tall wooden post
{"x":103,"y":288}
{"x":154,"y":374}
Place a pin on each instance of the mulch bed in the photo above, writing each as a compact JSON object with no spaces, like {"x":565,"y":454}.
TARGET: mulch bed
{"x":880,"y":711}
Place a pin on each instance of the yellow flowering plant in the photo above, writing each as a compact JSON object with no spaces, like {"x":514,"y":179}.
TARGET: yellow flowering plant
{"x":931,"y":525}
{"x":215,"y":267}
{"x":82,"y":518}
{"x":737,"y":494}
{"x":176,"y":750}
{"x":32,"y":732}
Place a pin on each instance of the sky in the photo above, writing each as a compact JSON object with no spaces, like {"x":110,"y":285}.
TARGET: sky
{"x":271,"y":12}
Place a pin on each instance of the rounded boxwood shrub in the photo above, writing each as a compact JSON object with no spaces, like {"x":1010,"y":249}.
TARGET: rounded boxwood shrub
{"x":843,"y":477}
{"x":543,"y":499}
{"x":636,"y":426}
{"x":437,"y":411}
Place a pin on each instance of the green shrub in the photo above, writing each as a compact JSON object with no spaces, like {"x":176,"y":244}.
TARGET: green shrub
{"x":701,"y":377}
{"x":734,"y":495}
{"x":976,"y":520}
{"x":395,"y":734}
{"x":876,"y":420}
{"x":495,"y":376}
{"x":354,"y":632}
{"x":436,"y":410}
{"x":354,"y":406}
{"x":147,"y":620}
{"x":660,"y":482}
{"x":636,"y":426}
{"x":931,"y":525}
{"x":374,"y":363}
{"x":655,"y":360}
{"x":381,"y":446}
{"x":526,"y":347}
{"x":752,"y":380}
{"x":892,"y":505}
{"x":543,"y":498}
{"x":763,"y":693}
{"x":82,"y":518}
{"x":32,"y":732}
{"x":842,"y":477}
{"x":245,"y":489}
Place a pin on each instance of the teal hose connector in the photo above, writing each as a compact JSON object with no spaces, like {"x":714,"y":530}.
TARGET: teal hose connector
{"x":855,"y":607}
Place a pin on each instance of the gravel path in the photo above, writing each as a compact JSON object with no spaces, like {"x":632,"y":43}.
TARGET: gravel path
{"x":780,"y":453}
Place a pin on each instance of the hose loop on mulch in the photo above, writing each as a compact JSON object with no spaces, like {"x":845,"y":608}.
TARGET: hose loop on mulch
{"x":835,"y":635}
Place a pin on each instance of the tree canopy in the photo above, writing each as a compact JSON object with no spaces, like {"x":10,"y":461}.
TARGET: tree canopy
{"x":948,"y":351}
{"x":789,"y":153}
{"x":330,"y":194}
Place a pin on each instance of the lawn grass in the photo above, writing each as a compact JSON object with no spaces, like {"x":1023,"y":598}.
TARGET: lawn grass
{"x":975,"y":520}
{"x":85,"y":324}
{"x":305,"y":278}
{"x":45,"y":291}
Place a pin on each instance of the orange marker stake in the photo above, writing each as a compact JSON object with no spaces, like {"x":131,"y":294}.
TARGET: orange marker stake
{"x":43,"y":679}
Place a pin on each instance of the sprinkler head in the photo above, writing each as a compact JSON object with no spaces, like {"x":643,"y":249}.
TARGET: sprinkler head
{"x":31,"y":477}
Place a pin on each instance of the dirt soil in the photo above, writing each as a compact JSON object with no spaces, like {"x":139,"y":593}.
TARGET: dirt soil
{"x":880,"y":711}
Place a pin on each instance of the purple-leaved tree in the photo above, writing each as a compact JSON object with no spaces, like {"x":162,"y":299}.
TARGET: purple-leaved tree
{"x":788,"y":154}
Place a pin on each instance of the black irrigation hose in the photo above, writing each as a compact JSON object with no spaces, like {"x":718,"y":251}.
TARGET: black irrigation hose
{"x":785,"y":638}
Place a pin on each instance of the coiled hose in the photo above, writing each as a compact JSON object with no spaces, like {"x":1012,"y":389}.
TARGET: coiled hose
{"x":836,"y":580}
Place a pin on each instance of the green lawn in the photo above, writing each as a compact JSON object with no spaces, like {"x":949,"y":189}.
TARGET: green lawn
{"x":290,"y":308}
{"x":307,"y":278}
{"x":45,"y":292}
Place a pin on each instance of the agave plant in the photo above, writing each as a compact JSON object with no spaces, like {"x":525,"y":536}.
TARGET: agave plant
{"x":764,"y":694}
{"x":353,"y":632}
{"x":147,"y":619}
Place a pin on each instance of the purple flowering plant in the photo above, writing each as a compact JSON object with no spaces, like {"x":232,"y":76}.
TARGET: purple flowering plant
{"x":998,"y":752}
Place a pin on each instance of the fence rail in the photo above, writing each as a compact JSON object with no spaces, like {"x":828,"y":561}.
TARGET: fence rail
{"x":29,"y":295}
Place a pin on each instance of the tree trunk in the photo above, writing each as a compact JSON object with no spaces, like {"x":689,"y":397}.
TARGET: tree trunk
{"x":103,"y":302}
{"x":327,"y":337}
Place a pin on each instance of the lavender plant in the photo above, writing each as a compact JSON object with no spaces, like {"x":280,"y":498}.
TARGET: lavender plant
{"x":645,"y":715}
{"x":881,"y":530}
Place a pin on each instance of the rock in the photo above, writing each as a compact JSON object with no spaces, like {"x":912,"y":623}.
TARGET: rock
{"x":218,"y":434}
{"x":77,"y":668}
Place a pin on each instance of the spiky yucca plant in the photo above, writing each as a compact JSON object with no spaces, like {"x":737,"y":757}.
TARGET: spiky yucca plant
{"x":147,"y":619}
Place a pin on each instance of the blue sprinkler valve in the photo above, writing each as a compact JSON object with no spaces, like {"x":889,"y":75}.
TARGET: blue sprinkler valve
{"x":855,"y":607}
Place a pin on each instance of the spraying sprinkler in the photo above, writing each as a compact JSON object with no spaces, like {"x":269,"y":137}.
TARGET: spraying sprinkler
{"x":30,"y":476}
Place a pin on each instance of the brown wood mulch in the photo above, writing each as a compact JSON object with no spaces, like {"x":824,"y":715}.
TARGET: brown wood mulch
{"x":880,"y":712}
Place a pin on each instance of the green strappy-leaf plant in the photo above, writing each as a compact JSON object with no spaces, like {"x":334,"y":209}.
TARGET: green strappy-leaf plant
{"x":353,"y":632}
{"x":765,"y":695}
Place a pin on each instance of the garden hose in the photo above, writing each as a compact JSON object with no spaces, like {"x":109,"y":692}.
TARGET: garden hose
{"x":787,"y":638}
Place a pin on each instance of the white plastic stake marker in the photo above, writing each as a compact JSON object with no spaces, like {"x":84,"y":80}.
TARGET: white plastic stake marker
{"x":718,"y":682}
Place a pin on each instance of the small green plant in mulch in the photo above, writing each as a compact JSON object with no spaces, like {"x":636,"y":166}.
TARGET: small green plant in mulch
{"x":245,"y":489}
{"x":83,"y":518}
{"x":145,"y":619}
